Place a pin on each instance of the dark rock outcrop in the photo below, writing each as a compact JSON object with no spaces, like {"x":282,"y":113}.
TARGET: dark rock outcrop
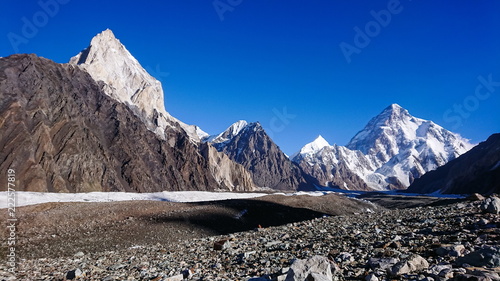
{"x":476,"y":171}
{"x":61,"y":133}
{"x":269,"y":166}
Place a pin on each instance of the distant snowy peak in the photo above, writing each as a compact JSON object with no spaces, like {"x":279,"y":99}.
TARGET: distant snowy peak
{"x":229,"y":133}
{"x":312,"y":147}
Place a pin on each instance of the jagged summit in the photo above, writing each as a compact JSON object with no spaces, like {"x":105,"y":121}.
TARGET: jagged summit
{"x":395,"y":129}
{"x":229,"y":133}
{"x":107,"y":60}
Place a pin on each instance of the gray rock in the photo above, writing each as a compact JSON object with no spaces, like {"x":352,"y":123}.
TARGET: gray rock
{"x":178,"y":277}
{"x":436,"y":270}
{"x":488,"y":256}
{"x":222,"y":245}
{"x":371,"y":277}
{"x":318,"y":268}
{"x":73,"y":274}
{"x":417,"y":263}
{"x":399,"y":268}
{"x":451,"y":250}
{"x":79,"y":254}
{"x":491,"y":205}
{"x":382,"y":263}
{"x":475,"y":197}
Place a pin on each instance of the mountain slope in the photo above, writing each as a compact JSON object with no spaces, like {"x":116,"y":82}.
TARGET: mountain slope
{"x":333,"y":166}
{"x":478,"y":170}
{"x":249,"y":145}
{"x":405,"y":147}
{"x":125,"y":80}
{"x":61,"y":133}
{"x":107,"y":60}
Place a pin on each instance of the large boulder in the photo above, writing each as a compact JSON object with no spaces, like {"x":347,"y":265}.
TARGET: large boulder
{"x":488,"y":256}
{"x":317,"y":268}
{"x":491,"y":205}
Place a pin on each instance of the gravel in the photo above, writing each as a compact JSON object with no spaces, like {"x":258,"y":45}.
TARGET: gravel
{"x":458,"y":241}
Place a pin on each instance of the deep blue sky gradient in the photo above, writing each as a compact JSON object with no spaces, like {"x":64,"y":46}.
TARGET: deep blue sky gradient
{"x":267,"y":56}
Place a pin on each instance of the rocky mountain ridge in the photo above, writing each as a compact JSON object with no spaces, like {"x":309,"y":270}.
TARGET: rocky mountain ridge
{"x":62,"y":133}
{"x":249,"y":145}
{"x":392,"y":151}
{"x":125,"y":80}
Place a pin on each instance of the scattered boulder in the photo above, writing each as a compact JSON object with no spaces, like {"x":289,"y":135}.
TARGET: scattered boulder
{"x":79,"y":254}
{"x":178,"y":277}
{"x":488,"y":256}
{"x":417,"y":263}
{"x":73,"y":274}
{"x":475,"y":197}
{"x":222,"y":245}
{"x":371,"y":277}
{"x":451,"y":250}
{"x":382,"y":263}
{"x":399,"y":268}
{"x":317,"y":268}
{"x":491,"y":205}
{"x":477,"y":273}
{"x":439,"y":269}
{"x":414,"y":263}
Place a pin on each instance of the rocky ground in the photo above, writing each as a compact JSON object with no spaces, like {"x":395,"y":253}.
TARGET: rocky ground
{"x":451,"y":241}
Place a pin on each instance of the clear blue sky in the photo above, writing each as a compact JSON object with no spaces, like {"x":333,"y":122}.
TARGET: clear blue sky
{"x":267,"y":56}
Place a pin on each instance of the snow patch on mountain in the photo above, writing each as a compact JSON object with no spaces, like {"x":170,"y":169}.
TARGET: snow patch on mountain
{"x":312,"y":147}
{"x":229,"y":133}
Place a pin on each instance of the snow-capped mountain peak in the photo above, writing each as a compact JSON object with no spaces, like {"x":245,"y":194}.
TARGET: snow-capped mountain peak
{"x":312,"y":147}
{"x":391,"y":151}
{"x":229,"y":133}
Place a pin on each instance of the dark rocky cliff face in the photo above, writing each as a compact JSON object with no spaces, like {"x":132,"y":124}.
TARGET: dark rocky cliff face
{"x":476,"y":171}
{"x":61,"y":133}
{"x":269,"y":166}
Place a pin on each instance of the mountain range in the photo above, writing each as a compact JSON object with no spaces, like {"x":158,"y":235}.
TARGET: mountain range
{"x":391,"y":151}
{"x":99,"y":123}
